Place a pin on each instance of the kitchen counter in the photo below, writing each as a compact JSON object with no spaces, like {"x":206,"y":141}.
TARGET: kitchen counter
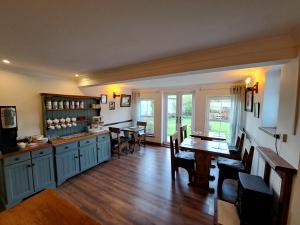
{"x":45,"y":208}
{"x":63,"y":140}
{"x":26,"y":149}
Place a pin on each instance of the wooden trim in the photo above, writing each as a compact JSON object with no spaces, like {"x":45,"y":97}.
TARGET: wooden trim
{"x":296,"y":119}
{"x":272,"y":49}
{"x":115,"y":123}
{"x":286,"y":173}
{"x":68,"y":96}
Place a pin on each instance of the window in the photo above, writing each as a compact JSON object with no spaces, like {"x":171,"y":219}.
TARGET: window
{"x":218,"y":116}
{"x":147,"y":114}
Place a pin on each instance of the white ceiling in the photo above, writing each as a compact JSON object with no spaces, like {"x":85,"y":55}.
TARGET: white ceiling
{"x":63,"y":37}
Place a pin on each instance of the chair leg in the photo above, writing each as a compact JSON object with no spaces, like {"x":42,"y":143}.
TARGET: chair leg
{"x":220,"y":183}
{"x":190,"y":172}
{"x":173,"y":172}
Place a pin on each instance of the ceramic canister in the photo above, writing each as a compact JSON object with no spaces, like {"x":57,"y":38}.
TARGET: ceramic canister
{"x":60,"y":104}
{"x":66,"y":104}
{"x":54,"y":105}
{"x":49,"y":104}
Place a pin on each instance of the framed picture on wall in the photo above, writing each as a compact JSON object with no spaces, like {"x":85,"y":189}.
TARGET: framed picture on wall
{"x":111,"y":105}
{"x":125,"y":101}
{"x":103,"y":99}
{"x":249,"y":100}
{"x":256,"y":109}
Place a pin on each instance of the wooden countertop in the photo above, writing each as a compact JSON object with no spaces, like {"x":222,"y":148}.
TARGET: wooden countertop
{"x":45,"y":208}
{"x":26,"y":149}
{"x":56,"y":142}
{"x":60,"y":141}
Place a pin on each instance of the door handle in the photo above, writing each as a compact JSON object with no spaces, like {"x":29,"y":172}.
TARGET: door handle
{"x":76,"y":157}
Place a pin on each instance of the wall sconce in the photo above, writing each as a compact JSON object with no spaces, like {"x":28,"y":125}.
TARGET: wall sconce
{"x":116,"y":94}
{"x":250,"y":86}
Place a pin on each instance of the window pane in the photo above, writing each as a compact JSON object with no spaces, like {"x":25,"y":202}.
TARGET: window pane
{"x":147,"y":114}
{"x":187,"y":110}
{"x":218,"y":118}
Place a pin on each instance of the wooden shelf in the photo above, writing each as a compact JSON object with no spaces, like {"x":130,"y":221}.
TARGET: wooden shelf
{"x":275,"y":161}
{"x":71,"y":109}
{"x":68,"y":96}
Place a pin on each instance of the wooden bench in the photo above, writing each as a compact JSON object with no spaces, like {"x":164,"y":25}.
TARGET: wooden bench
{"x":225,"y":213}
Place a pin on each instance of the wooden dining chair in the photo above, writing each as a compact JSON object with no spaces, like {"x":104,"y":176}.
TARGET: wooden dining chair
{"x":182,"y":159}
{"x":142,"y":133}
{"x":183,"y":133}
{"x":236,"y":150}
{"x":118,"y":142}
{"x":229,"y":168}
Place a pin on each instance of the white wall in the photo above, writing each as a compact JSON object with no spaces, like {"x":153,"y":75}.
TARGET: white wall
{"x":290,"y":151}
{"x":23,"y":91}
{"x":111,"y":116}
{"x":201,"y":93}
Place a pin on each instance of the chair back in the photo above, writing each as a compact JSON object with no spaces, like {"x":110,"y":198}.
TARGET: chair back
{"x":142,"y":124}
{"x":116,"y":131}
{"x":183,"y":133}
{"x":174,"y":147}
{"x":248,"y":156}
{"x":240,"y":141}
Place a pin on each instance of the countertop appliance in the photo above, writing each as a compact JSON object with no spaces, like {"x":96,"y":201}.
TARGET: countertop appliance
{"x":8,"y":129}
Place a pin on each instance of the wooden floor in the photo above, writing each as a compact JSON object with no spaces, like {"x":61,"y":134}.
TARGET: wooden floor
{"x":137,"y":189}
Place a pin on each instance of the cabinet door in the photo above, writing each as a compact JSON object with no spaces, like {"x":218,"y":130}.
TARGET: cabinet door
{"x":88,"y":156}
{"x":67,"y":165}
{"x":43,"y":172}
{"x":18,"y":180}
{"x":106,"y":150}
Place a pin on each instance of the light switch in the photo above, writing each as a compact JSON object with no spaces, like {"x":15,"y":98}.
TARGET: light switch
{"x":284,"y":138}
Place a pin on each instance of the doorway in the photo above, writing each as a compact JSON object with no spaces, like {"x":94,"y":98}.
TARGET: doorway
{"x":179,"y":111}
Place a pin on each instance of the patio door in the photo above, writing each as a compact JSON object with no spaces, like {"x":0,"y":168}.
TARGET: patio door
{"x":178,"y":111}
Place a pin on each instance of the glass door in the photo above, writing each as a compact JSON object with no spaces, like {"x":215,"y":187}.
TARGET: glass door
{"x":179,"y":111}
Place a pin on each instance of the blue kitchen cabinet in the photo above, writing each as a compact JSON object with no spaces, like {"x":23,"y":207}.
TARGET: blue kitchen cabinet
{"x":43,"y":172}
{"x":88,"y":156}
{"x":104,"y":148}
{"x":67,"y":165}
{"x":18,"y":182}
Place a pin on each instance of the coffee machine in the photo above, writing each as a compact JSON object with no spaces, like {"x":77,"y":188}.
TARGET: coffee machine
{"x":8,"y":129}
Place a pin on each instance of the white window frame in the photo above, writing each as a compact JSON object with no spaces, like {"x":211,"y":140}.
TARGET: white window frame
{"x":207,"y":109}
{"x":139,"y":112}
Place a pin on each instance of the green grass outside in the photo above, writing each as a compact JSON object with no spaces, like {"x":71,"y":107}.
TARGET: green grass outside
{"x":215,"y":126}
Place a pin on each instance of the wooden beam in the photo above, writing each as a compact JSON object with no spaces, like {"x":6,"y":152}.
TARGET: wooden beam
{"x":256,"y":51}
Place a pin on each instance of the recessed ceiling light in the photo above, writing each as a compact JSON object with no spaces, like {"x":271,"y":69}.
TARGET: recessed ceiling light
{"x":6,"y":61}
{"x":76,"y":75}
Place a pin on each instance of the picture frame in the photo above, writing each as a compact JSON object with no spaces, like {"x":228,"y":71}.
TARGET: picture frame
{"x":125,"y":100}
{"x":103,"y":99}
{"x":256,"y":109}
{"x":249,"y":95}
{"x":112,"y":105}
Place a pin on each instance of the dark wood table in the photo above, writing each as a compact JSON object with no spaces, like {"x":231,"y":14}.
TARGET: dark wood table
{"x":133,"y":140}
{"x":45,"y":208}
{"x":204,"y":150}
{"x":208,"y":137}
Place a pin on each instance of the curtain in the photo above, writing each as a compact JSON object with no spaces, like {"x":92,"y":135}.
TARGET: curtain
{"x":135,"y":107}
{"x":237,"y":118}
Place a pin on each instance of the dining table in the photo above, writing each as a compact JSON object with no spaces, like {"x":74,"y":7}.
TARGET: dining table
{"x":204,"y":151}
{"x":131,"y":133}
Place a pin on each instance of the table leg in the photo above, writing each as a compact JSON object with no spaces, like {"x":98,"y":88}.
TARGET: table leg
{"x":203,"y":162}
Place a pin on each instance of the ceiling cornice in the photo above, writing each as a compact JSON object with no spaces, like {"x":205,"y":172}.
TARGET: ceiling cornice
{"x":269,"y":49}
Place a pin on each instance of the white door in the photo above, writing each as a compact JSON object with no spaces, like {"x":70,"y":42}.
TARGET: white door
{"x":178,"y":111}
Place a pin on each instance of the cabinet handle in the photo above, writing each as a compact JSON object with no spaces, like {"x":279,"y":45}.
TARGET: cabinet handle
{"x":80,"y":155}
{"x":32,"y":164}
{"x":87,"y":141}
{"x":98,"y":149}
{"x":75,"y":156}
{"x":41,"y":153}
{"x":28,"y":165}
{"x":17,"y":159}
{"x":66,"y":147}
